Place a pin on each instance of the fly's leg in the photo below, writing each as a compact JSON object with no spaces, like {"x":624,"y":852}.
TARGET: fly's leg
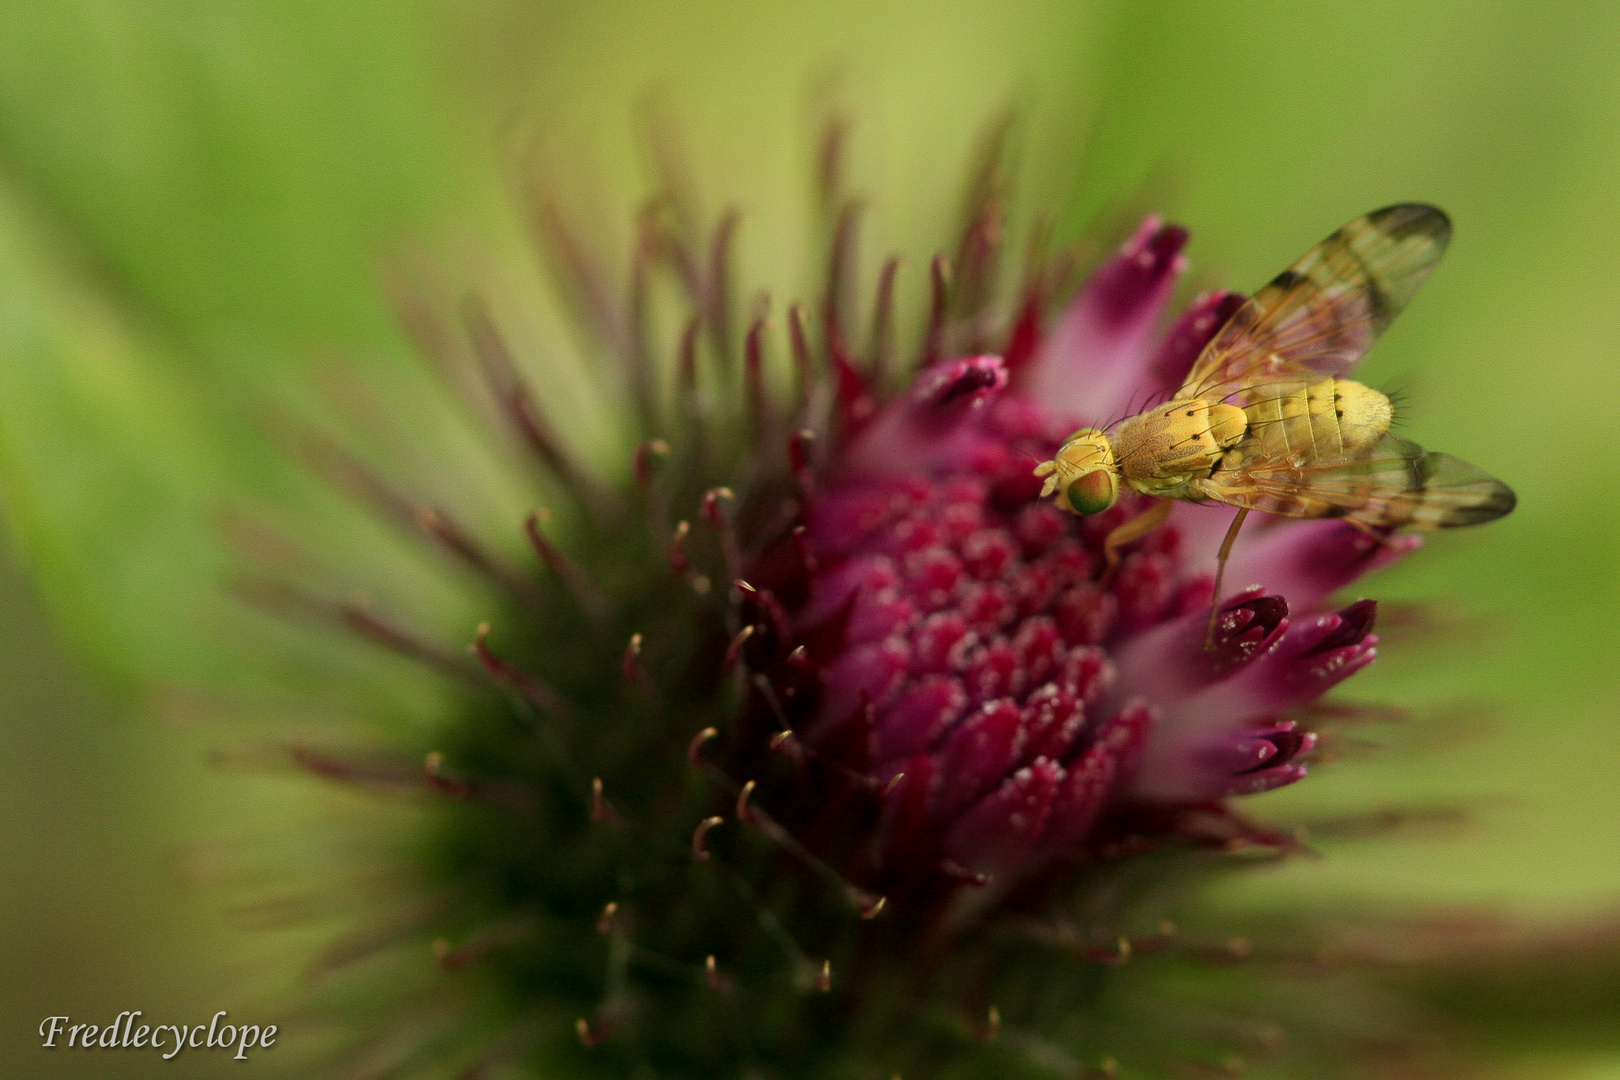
{"x":1220,"y":572}
{"x":1131,"y":531}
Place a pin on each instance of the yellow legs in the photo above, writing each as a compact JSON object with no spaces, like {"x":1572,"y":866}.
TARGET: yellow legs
{"x":1150,"y":519}
{"x":1220,"y":572}
{"x":1131,"y":531}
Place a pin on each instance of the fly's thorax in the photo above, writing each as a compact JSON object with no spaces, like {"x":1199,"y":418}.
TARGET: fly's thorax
{"x":1083,"y":474}
{"x":1176,"y":441}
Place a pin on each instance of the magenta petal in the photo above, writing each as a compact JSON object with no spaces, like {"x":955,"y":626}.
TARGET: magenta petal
{"x":1053,"y":718}
{"x":1201,"y":738}
{"x":1126,"y":738}
{"x":931,"y":424}
{"x":864,"y":594}
{"x":866,"y":676}
{"x":1314,"y":655}
{"x":1276,"y":751}
{"x":997,"y":833}
{"x":1265,"y":780}
{"x":878,"y":616}
{"x":1040,"y":651}
{"x":933,"y":574}
{"x":1323,"y":655}
{"x":1187,"y":338}
{"x":992,"y":671}
{"x":863,"y":577}
{"x":1355,"y":623}
{"x":927,"y":709}
{"x":1095,"y":364}
{"x":1239,"y":755}
{"x":1079,"y":799}
{"x":844,"y":521}
{"x":977,"y":755}
{"x":1088,"y":674}
{"x":1259,"y":750}
{"x":1170,"y":662}
{"x":941,"y":643}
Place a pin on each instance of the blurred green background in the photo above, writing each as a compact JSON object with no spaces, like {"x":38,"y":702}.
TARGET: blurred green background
{"x":195,"y":194}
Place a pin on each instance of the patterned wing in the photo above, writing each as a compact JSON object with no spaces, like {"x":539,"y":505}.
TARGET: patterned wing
{"x":1319,"y":316}
{"x":1393,"y":482}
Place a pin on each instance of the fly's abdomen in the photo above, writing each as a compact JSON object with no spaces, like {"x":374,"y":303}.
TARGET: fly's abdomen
{"x":1321,"y":420}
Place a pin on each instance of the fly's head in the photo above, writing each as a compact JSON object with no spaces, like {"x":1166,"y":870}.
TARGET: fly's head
{"x":1083,"y":474}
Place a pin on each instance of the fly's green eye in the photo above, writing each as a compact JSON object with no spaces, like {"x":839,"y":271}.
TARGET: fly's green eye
{"x":1092,"y":492}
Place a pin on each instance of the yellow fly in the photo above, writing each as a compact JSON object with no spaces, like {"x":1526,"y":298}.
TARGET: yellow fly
{"x":1265,"y":421}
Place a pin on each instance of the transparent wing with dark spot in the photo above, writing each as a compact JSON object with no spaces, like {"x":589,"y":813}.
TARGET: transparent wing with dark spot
{"x":1319,"y":316}
{"x":1394,"y":482}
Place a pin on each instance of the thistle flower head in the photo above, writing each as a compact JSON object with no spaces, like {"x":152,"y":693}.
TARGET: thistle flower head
{"x":828,"y":745}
